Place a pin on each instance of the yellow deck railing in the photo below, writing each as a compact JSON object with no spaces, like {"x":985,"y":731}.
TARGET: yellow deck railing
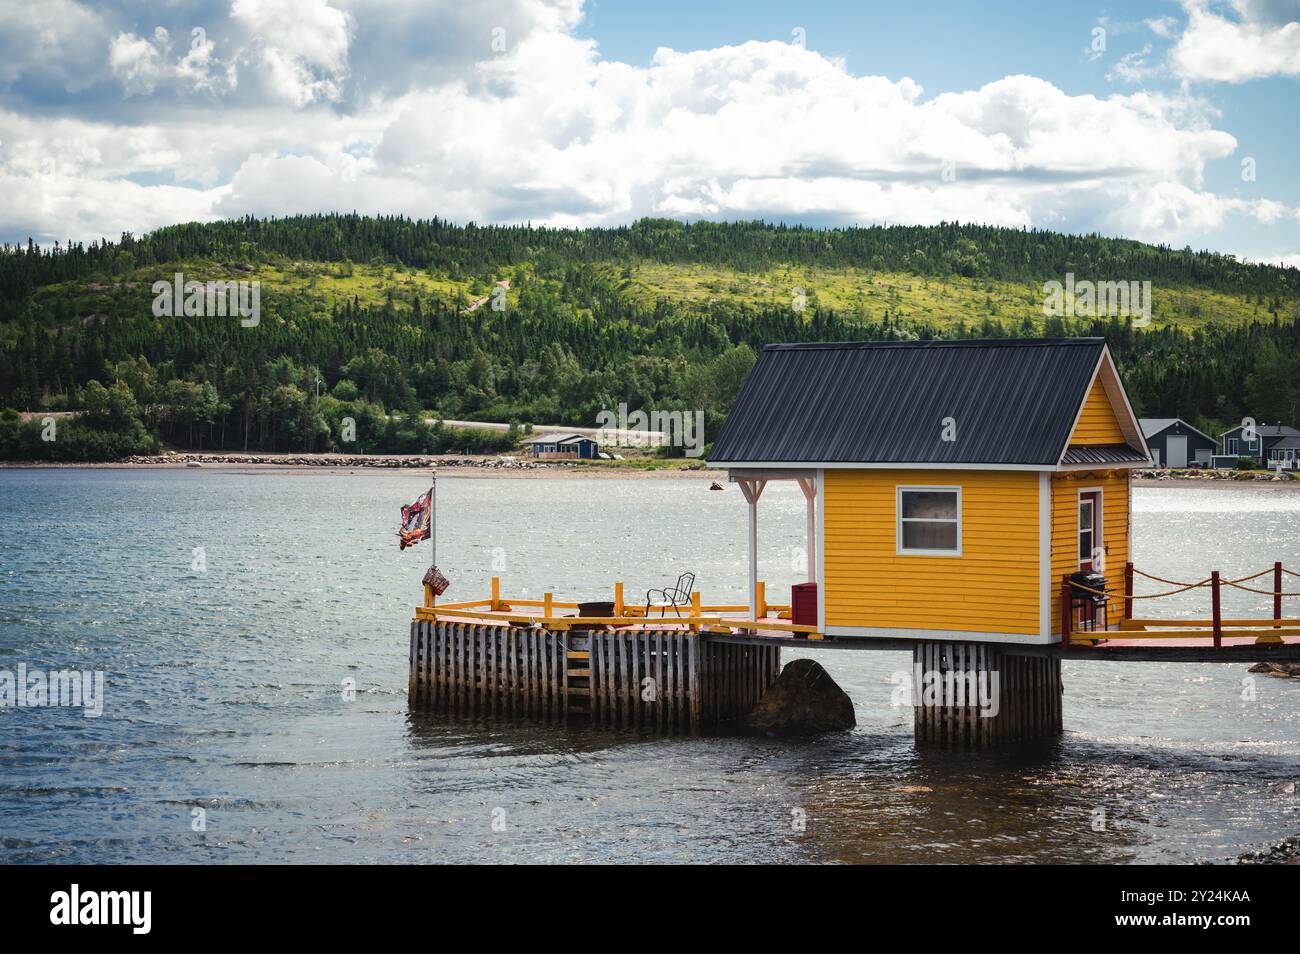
{"x":550,"y":613}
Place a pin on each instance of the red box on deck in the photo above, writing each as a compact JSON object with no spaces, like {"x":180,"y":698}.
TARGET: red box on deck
{"x":803,"y":604}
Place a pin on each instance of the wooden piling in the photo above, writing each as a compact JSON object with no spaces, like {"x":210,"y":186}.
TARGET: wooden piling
{"x":412,"y":680}
{"x":971,"y":695}
{"x":693,"y":688}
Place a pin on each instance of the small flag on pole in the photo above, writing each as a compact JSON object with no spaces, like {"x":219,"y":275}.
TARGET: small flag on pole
{"x":415,"y":521}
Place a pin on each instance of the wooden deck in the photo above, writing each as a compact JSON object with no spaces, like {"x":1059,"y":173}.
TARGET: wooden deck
{"x":744,"y":629}
{"x":1255,"y":644}
{"x":1135,"y":640}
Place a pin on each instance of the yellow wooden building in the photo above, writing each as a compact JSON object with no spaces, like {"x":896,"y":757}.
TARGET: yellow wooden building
{"x":950,"y":485}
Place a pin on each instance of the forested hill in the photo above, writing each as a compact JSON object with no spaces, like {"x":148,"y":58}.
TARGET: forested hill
{"x":386,"y":320}
{"x":969,"y":251}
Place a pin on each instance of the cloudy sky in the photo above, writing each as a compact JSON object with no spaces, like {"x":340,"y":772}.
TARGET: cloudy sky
{"x":1166,"y":121}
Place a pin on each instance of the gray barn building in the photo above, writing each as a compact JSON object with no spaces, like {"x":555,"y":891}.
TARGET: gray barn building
{"x":1175,"y":443}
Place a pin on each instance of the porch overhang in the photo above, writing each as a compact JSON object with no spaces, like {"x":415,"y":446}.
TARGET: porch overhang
{"x":752,"y":481}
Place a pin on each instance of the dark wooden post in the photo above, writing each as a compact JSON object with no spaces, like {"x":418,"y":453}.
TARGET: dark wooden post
{"x":1065,"y":610}
{"x":1218,"y":615}
{"x":1277,"y":592}
{"x":1128,"y":590}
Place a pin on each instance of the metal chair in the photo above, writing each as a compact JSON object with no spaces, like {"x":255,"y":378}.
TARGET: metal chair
{"x":676,"y":596}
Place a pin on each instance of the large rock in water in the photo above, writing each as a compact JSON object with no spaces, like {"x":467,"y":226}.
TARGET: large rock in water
{"x":804,"y":699}
{"x":1279,"y":669}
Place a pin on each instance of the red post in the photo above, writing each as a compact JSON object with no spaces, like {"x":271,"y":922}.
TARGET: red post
{"x":1218,"y":615}
{"x":1065,"y":610}
{"x":1128,"y":590}
{"x":1277,"y":592}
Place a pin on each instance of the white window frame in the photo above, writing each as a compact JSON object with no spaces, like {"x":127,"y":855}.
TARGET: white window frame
{"x":1091,"y":530}
{"x":1232,"y":448}
{"x":1098,"y":522}
{"x":899,"y":490}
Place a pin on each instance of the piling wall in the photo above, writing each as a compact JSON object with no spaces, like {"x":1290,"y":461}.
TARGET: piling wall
{"x":970,"y":695}
{"x":672,"y":680}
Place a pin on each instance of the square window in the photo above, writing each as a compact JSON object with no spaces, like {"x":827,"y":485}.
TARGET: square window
{"x":929,"y":521}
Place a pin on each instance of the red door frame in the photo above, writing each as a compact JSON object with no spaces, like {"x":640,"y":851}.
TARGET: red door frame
{"x":1088,"y":612}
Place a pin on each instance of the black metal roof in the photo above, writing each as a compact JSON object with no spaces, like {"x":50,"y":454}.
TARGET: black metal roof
{"x":1014,"y":401}
{"x":560,"y":437}
{"x":1103,"y":454}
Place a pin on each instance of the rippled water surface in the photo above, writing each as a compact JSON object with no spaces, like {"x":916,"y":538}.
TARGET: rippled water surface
{"x":225,"y":690}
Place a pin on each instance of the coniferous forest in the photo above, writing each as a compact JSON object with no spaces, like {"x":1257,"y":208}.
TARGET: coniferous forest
{"x":387,"y":322}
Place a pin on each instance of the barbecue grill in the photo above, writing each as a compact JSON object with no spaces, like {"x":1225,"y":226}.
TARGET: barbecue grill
{"x":1080,"y":585}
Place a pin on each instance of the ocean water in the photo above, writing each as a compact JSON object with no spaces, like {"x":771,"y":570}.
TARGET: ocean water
{"x":227,"y":734}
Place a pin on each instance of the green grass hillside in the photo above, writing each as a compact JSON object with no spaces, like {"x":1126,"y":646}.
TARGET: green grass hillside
{"x":941,"y":302}
{"x":382,"y":321}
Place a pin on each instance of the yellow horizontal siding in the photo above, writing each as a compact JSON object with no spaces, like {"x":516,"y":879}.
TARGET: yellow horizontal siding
{"x":1097,"y":422}
{"x":991,"y":587}
{"x":1065,"y":532}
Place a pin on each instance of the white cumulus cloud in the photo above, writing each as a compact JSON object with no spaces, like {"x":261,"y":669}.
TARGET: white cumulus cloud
{"x":303,"y":46}
{"x":378,"y":106}
{"x":1259,"y":38}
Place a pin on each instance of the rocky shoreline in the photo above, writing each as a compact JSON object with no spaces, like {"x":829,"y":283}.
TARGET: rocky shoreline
{"x":1285,"y":852}
{"x":395,"y":464}
{"x":1224,"y":475}
{"x":335,"y":460}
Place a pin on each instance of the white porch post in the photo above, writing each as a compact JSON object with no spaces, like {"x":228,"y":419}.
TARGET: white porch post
{"x":753,"y":489}
{"x":809,"y":487}
{"x":753,"y":557}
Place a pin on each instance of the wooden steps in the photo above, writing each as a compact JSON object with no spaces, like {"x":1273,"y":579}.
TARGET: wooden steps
{"x":577,"y":679}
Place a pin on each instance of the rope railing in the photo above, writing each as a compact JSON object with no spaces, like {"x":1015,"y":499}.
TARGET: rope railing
{"x":1070,"y":590}
{"x":1206,"y":581}
{"x":1161,"y":579}
{"x":1253,"y":576}
{"x":1251,"y":589}
{"x":1146,"y":596}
